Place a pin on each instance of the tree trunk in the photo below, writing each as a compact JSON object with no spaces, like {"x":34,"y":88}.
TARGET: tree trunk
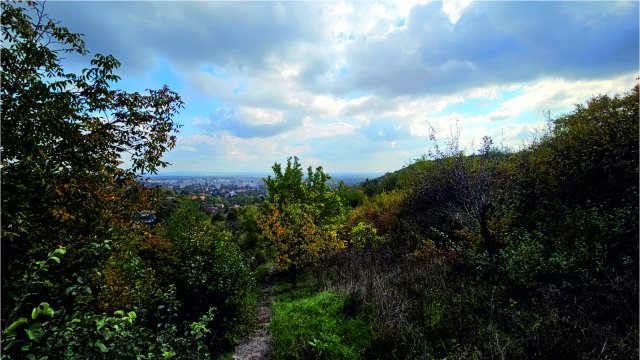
{"x":293,"y":277}
{"x":484,"y":231}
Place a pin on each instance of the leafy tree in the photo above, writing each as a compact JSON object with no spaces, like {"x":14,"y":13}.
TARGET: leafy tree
{"x":301,"y":217}
{"x":64,"y":135}
{"x":365,"y":237}
{"x":65,"y":138}
{"x":353,"y":195}
{"x":581,"y":175}
{"x":387,"y":182}
{"x":248,"y":233}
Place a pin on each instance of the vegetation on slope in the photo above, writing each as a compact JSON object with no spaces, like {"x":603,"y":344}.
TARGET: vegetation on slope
{"x":511,"y":254}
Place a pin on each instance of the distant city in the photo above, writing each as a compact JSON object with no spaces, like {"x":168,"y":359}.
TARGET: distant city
{"x":232,"y":184}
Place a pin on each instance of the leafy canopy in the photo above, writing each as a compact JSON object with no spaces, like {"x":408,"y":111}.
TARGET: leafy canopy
{"x":301,"y":216}
{"x":65,"y":183}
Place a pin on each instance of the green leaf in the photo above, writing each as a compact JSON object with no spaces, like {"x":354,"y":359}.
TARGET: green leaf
{"x":118,"y":313}
{"x":45,"y":309}
{"x":132,"y":315}
{"x":34,"y":313}
{"x":12,"y":344}
{"x":15,"y":325}
{"x":34,"y":331}
{"x":55,"y":259}
{"x":101,"y":346}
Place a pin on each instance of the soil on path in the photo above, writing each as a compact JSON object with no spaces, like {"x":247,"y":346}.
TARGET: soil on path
{"x":256,"y":347}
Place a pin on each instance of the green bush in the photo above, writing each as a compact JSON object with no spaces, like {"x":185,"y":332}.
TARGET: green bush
{"x":211,"y":273}
{"x":576,"y":246}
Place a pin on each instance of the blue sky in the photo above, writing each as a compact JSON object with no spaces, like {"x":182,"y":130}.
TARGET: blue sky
{"x":357,"y":86}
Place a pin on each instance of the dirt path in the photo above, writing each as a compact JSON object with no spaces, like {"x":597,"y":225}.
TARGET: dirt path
{"x":256,"y":347}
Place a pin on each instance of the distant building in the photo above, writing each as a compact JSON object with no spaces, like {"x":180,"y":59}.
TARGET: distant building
{"x":213,"y":208}
{"x":146,"y":217}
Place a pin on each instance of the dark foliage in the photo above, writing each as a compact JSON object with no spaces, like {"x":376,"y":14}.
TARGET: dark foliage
{"x":559,"y":278}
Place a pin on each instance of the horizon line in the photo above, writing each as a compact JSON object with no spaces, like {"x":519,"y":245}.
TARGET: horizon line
{"x":254,"y":173}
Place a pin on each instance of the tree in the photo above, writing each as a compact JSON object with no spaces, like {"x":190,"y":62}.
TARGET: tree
{"x":579,"y":182}
{"x":63,"y":134}
{"x":474,"y":184}
{"x":461,"y":190}
{"x":64,"y":139}
{"x":300,"y":219}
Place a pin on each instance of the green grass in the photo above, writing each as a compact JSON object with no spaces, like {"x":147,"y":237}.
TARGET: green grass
{"x":261,"y":272}
{"x":308,"y":325}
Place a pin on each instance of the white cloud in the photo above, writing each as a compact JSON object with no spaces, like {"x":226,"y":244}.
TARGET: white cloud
{"x":199,"y":122}
{"x":187,"y":148}
{"x":286,"y":76}
{"x":560,"y":95}
{"x":260,"y":116}
{"x":311,"y":129}
{"x":454,"y":8}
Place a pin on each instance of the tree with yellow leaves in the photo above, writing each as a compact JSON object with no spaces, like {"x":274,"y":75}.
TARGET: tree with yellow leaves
{"x":301,"y":217}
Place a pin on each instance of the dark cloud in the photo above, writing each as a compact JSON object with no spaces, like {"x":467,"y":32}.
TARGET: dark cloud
{"x":492,"y":43}
{"x":237,"y":34}
{"x":498,"y":42}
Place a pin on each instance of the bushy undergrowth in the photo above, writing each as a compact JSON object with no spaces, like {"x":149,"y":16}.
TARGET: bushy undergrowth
{"x":532,"y":254}
{"x":441,"y":306}
{"x":211,"y":277}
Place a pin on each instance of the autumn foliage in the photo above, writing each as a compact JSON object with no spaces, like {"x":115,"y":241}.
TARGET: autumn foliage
{"x":301,"y":217}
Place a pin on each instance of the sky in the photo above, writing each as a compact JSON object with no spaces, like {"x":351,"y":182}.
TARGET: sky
{"x":358,"y":86}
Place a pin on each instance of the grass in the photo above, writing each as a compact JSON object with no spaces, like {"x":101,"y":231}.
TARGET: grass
{"x":311,"y":325}
{"x":261,"y":272}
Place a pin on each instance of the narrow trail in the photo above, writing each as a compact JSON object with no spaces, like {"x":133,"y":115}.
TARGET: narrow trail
{"x":256,"y":347}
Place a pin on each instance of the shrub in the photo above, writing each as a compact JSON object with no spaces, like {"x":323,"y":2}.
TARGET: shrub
{"x":211,"y":273}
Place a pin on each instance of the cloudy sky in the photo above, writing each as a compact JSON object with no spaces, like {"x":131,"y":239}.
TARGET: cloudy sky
{"x":356,"y":86}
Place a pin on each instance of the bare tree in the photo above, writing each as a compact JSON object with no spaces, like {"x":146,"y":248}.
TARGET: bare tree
{"x":470,"y":180}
